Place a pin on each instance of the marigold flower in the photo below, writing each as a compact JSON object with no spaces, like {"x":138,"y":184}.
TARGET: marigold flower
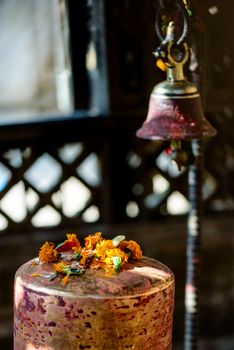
{"x":133,"y":247}
{"x":102,"y":247}
{"x":98,"y":253}
{"x":92,"y":240}
{"x":72,"y":238}
{"x":69,"y":243}
{"x":48,"y":253}
{"x":111,"y":254}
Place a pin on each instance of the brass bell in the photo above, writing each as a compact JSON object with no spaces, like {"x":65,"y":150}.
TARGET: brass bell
{"x":175,"y":110}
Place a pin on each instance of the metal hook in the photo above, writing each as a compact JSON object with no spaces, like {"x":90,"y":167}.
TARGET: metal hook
{"x":182,"y":10}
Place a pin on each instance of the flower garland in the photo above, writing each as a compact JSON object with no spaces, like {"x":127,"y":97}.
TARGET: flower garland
{"x":70,"y":258}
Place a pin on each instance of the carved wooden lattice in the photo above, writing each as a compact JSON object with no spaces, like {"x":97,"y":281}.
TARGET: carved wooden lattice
{"x":100,"y":180}
{"x":160,"y":188}
{"x":44,"y":187}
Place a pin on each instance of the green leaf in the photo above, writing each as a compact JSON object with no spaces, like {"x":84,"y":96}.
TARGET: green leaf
{"x":117,"y":262}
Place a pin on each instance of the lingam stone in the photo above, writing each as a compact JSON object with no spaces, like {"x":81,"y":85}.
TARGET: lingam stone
{"x":131,"y":309}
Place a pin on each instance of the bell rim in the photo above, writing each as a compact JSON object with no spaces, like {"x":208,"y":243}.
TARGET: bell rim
{"x":202,"y":133}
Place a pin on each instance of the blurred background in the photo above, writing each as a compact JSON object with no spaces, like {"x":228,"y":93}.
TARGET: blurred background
{"x":75,"y":81}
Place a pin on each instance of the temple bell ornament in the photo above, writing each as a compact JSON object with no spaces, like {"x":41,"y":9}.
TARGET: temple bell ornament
{"x":175,"y":110}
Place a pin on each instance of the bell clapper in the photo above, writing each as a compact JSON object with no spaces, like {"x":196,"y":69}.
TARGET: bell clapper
{"x":180,"y":153}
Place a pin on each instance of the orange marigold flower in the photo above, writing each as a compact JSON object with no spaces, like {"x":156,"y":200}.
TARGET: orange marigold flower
{"x":72,"y":238}
{"x":123,"y":245}
{"x":61,"y":267}
{"x":103,"y":247}
{"x":111,"y":254}
{"x":133,"y":247}
{"x":69,"y":243}
{"x":48,"y":253}
{"x":92,"y":240}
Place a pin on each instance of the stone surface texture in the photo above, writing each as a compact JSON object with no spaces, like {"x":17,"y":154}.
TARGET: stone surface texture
{"x":132,"y":309}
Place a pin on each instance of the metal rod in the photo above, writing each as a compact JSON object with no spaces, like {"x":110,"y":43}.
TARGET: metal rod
{"x":191,"y":336}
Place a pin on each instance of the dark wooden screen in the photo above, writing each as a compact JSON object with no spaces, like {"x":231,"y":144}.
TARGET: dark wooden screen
{"x":88,"y":171}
